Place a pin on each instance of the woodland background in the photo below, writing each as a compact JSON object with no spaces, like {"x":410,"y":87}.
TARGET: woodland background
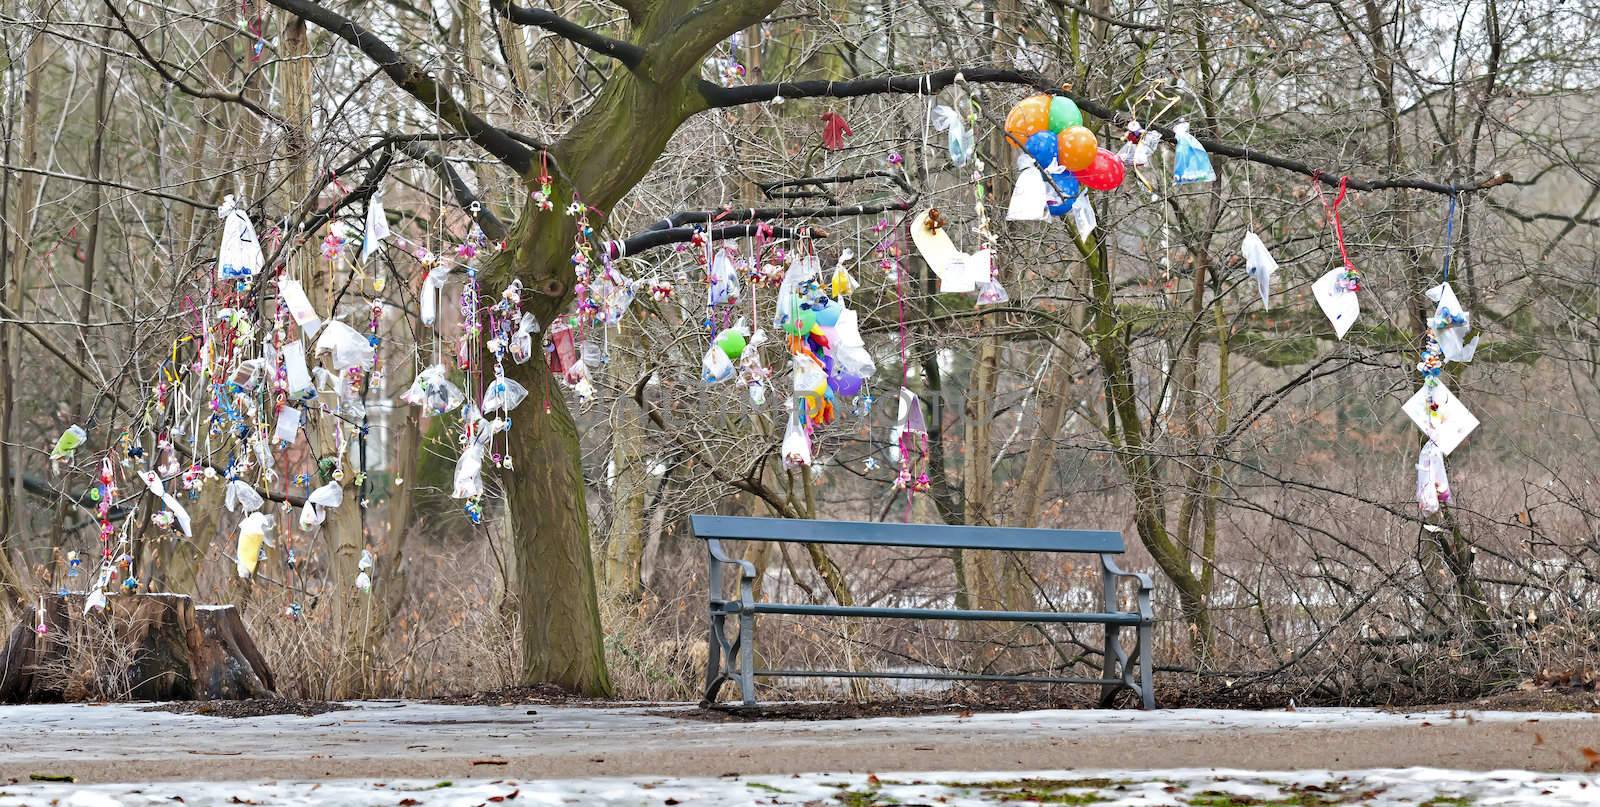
{"x":1267,"y":462}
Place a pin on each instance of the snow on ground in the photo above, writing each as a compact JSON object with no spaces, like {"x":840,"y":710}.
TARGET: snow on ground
{"x":1207,"y":788}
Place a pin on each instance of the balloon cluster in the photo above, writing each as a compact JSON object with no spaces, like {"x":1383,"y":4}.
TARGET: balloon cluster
{"x":1050,"y":129}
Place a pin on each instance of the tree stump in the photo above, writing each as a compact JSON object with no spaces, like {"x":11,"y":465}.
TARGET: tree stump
{"x":139,"y":647}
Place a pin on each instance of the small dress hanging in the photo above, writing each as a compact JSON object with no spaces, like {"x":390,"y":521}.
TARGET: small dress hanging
{"x":239,"y":255}
{"x":377,"y":228}
{"x":1190,"y":162}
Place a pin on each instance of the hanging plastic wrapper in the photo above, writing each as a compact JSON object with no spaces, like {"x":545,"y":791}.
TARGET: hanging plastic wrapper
{"x":294,"y":298}
{"x":252,"y":534}
{"x":992,"y":293}
{"x":850,"y":350}
{"x":239,"y":255}
{"x":796,"y":438}
{"x":521,"y":345}
{"x":377,"y":226}
{"x":1190,"y":162}
{"x":959,"y":142}
{"x":67,"y":444}
{"x":563,"y":350}
{"x":298,"y":377}
{"x":241,"y":497}
{"x":348,"y":346}
{"x":1450,"y":325}
{"x":434,"y":392}
{"x":503,"y":394}
{"x":469,"y":472}
{"x":1260,"y":264}
{"x":432,"y":286}
{"x":724,"y":276}
{"x":1139,"y":145}
{"x":287,"y":428}
{"x":715,"y":366}
{"x":802,"y":269}
{"x":1083,"y":220}
{"x":1340,"y":303}
{"x":1433,"y":485}
{"x":811,"y":388}
{"x":363,"y":572}
{"x":1030,"y":195}
{"x":180,"y":516}
{"x":328,"y":496}
{"x":908,"y":421}
{"x":751,"y":371}
{"x":842,"y":282}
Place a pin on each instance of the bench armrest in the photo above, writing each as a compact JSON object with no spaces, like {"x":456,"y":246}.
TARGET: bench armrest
{"x":1111,"y":572}
{"x":747,"y":574}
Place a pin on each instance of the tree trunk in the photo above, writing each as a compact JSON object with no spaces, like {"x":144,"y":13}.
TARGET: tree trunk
{"x":140,"y":647}
{"x":629,"y":474}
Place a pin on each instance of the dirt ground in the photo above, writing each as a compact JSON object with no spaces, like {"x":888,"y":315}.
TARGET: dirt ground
{"x":528,"y":740}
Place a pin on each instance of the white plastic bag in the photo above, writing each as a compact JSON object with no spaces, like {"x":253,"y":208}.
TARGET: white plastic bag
{"x":469,"y":472}
{"x":329,"y":495}
{"x":240,"y":496}
{"x":299,"y":377}
{"x":434,"y":392}
{"x":1260,"y":264}
{"x":432,"y":286}
{"x":377,"y":226}
{"x":1433,"y":484}
{"x":796,"y":441}
{"x":959,"y":144}
{"x":1029,"y":197}
{"x":1083,"y":217}
{"x":521,"y":347}
{"x":992,"y":293}
{"x":239,"y":255}
{"x":294,"y":299}
{"x":348,"y":346}
{"x":724,"y":279}
{"x":503,"y":394}
{"x":715,"y":366}
{"x":850,"y":351}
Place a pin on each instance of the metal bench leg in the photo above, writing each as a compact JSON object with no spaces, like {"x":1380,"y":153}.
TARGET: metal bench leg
{"x":1147,"y":690}
{"x":715,"y":651}
{"x":1113,"y":667}
{"x":747,"y":665}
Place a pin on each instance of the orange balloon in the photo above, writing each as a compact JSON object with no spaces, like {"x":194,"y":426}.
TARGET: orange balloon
{"x":1075,"y":148}
{"x":1030,"y":115}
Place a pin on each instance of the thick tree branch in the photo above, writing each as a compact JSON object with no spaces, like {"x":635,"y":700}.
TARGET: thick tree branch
{"x":625,"y":52}
{"x":929,"y":83}
{"x":681,"y":48}
{"x":650,"y":239}
{"x":487,"y":221}
{"x":414,"y":80}
{"x":732,"y":214}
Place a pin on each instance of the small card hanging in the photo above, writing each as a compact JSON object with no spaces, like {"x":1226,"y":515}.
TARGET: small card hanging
{"x":1341,"y":305}
{"x":1440,"y":415}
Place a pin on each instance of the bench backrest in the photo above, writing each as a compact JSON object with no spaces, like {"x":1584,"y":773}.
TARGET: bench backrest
{"x":873,"y":533}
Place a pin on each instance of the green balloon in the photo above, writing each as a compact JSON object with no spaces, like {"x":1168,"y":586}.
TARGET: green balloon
{"x":1064,"y":114}
{"x":732,"y":343}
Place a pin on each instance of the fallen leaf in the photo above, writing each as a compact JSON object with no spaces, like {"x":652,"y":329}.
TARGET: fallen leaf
{"x":409,"y":803}
{"x":489,"y":762}
{"x":1594,"y":759}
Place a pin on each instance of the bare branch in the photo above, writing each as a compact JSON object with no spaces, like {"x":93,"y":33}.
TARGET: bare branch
{"x":929,"y":83}
{"x":175,"y":81}
{"x":414,"y":80}
{"x":625,"y":52}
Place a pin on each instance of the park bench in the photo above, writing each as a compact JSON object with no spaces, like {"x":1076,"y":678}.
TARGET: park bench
{"x":733,"y":658}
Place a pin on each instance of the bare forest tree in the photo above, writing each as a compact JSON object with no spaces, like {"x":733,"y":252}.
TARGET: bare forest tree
{"x":1134,"y":379}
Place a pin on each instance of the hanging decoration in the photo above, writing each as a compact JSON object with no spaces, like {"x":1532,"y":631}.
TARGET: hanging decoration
{"x":1260,"y":265}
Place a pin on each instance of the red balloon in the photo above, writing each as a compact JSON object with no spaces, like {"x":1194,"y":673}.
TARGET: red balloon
{"x":1105,"y":173}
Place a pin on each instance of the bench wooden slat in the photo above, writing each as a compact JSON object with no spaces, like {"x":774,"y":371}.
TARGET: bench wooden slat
{"x":941,"y":614}
{"x":932,"y":536}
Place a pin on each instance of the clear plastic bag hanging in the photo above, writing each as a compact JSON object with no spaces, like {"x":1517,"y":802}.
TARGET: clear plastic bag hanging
{"x":1190,"y":162}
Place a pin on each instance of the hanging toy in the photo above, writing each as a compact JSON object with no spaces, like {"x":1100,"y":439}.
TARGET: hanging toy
{"x":1190,"y":162}
{"x":834,"y":130}
{"x":239,"y":255}
{"x":1139,"y":145}
{"x":1105,"y":172}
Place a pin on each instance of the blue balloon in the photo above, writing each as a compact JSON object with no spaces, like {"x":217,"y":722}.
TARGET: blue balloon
{"x":1042,"y":147}
{"x":828,"y":315}
{"x":1069,"y":193}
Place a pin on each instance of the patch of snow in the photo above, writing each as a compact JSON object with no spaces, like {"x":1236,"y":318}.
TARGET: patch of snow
{"x":1115,"y":788}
